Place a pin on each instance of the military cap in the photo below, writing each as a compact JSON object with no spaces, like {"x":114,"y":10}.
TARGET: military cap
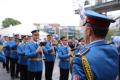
{"x":23,"y":36}
{"x":97,"y":19}
{"x":34,"y":31}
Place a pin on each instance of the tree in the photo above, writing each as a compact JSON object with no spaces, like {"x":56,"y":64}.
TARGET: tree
{"x":111,"y":32}
{"x":10,"y":21}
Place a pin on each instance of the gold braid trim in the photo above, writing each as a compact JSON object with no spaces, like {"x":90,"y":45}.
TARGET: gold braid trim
{"x":87,"y":68}
{"x":71,"y":62}
{"x":1,"y":47}
{"x":37,"y":59}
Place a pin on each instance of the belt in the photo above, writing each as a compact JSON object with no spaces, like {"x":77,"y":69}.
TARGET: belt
{"x":1,"y":47}
{"x":13,"y":50}
{"x":37,"y":59}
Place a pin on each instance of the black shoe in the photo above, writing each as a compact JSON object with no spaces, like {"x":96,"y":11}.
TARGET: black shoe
{"x":17,"y":76}
{"x":12,"y":78}
{"x":8,"y":71}
{"x":3,"y":67}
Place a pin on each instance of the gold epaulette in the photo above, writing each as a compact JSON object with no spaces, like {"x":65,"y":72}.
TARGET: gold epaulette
{"x":82,"y":52}
{"x":85,"y":64}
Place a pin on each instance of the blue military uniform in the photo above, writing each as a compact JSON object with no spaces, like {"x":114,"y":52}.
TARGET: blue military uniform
{"x":13,"y":50}
{"x":34,"y":55}
{"x":102,"y":58}
{"x":96,"y":59}
{"x":7,"y":54}
{"x":2,"y":57}
{"x":7,"y":48}
{"x":21,"y":54}
{"x":14,"y":67}
{"x":47,"y":52}
{"x":50,"y":59}
{"x":33,"y":65}
{"x":78,"y":48}
{"x":63,"y":54}
{"x":22,"y":61}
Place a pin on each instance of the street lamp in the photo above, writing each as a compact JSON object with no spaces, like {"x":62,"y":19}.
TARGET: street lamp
{"x":59,"y":32}
{"x":86,"y":2}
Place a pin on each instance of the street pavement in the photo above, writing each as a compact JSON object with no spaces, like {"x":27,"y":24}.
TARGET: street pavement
{"x":6,"y":76}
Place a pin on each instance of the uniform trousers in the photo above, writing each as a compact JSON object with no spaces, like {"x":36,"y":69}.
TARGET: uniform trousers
{"x":49,"y":65}
{"x":34,"y":75}
{"x":23,"y":72}
{"x":14,"y":68}
{"x":7,"y":64}
{"x":64,"y":74}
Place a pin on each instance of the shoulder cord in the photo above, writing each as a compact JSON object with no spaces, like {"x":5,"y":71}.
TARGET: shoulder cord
{"x":71,"y":62}
{"x":87,"y":68}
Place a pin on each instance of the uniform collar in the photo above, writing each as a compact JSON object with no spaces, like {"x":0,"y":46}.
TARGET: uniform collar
{"x":34,"y":42}
{"x":49,"y":42}
{"x":23,"y":42}
{"x":64,"y":45}
{"x":96,"y":43}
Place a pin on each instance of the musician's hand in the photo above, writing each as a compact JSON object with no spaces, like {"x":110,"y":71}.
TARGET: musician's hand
{"x":67,"y":59}
{"x":39,"y":53}
{"x":52,"y":53}
{"x":38,"y":50}
{"x":70,"y":55}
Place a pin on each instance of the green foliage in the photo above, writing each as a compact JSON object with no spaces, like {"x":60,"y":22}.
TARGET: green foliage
{"x":10,"y":21}
{"x":111,"y":32}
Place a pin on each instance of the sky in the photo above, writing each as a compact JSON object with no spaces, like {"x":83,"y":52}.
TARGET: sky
{"x":39,"y":11}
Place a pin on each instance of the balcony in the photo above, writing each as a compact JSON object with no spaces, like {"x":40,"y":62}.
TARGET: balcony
{"x":106,"y":6}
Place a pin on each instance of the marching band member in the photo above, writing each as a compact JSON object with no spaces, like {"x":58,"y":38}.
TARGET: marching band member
{"x":2,"y":56}
{"x":22,"y":60}
{"x":98,"y":60}
{"x":49,"y":54}
{"x":64,"y":55}
{"x":34,"y":55}
{"x":14,"y":67}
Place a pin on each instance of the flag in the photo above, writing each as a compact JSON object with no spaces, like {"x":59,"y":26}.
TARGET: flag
{"x":81,"y":12}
